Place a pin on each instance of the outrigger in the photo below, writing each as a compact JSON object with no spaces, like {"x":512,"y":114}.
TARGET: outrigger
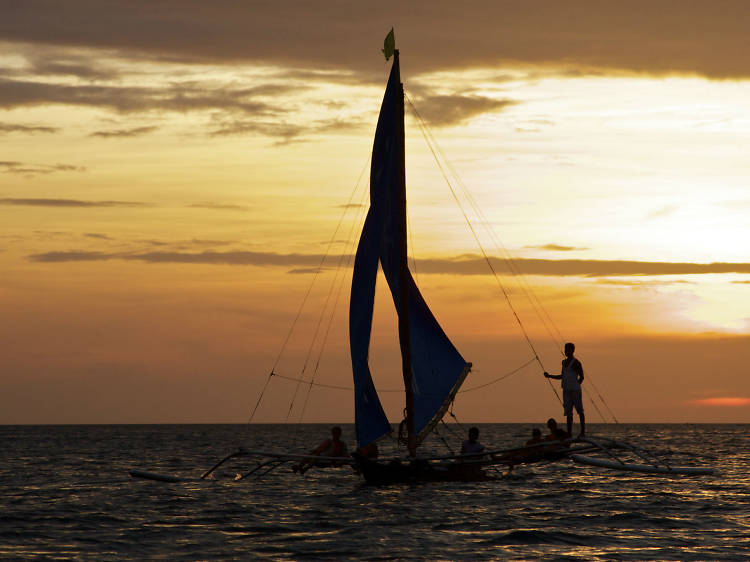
{"x":490,"y":465}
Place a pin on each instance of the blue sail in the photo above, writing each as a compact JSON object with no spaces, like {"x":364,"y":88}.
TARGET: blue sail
{"x":437,"y":368}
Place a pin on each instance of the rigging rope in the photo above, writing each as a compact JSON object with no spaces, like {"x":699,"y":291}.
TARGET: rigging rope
{"x":524,"y":286}
{"x":537,"y":306}
{"x":505,"y":376}
{"x":350,"y":257}
{"x":423,"y":127}
{"x":439,"y":436}
{"x":401,"y":390}
{"x":307,"y":294}
{"x":328,"y":296}
{"x":262,"y":392}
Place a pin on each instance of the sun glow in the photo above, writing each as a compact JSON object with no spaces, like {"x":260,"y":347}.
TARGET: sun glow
{"x":185,"y":206}
{"x":731,"y":402}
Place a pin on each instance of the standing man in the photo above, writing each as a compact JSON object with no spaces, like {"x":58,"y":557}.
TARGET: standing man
{"x":572,"y":377}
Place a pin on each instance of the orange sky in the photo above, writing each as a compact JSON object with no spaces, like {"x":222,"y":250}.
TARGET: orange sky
{"x":171,"y":177}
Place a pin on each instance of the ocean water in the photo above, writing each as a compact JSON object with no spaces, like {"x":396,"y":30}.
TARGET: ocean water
{"x":67,"y":494}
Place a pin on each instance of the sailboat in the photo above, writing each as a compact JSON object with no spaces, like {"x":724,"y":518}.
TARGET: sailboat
{"x":433,"y":369}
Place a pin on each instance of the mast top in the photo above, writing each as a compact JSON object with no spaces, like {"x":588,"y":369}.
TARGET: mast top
{"x":389,"y":45}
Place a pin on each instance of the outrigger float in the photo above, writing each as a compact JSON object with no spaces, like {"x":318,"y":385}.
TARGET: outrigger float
{"x":433,"y":370}
{"x":491,"y":465}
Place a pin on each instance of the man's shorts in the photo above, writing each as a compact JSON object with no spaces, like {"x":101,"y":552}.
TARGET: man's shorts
{"x":572,"y":399}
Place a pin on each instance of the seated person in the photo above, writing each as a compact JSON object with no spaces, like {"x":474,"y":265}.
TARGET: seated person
{"x":522,"y":454}
{"x":555,"y":433}
{"x":472,"y":446}
{"x":333,"y":447}
{"x":369,"y":451}
{"x":536,"y":437}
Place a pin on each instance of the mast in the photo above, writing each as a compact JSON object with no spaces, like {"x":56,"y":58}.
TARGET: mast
{"x":403,"y":313}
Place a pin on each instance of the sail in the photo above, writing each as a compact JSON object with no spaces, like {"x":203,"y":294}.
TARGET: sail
{"x":437,"y":368}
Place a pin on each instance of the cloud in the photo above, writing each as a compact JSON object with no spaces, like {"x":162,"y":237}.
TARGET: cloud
{"x":305,"y":270}
{"x":557,"y":248}
{"x":97,"y":235}
{"x":39,"y":202}
{"x":218,"y":206}
{"x":134,"y":132}
{"x":663,"y":211}
{"x":447,"y":110}
{"x":463,"y":265}
{"x":287,"y":132}
{"x":52,"y":257}
{"x":476,"y":265}
{"x":14,"y":167}
{"x":127,"y":99}
{"x":76,"y":65}
{"x":348,"y":77}
{"x":642,"y":284}
{"x":30,"y":129}
{"x":670,"y":36}
{"x":726,"y":401}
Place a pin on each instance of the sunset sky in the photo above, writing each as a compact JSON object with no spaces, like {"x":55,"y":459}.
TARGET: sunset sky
{"x":173,"y":174}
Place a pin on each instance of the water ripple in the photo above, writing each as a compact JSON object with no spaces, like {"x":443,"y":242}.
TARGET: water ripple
{"x":66,"y":494}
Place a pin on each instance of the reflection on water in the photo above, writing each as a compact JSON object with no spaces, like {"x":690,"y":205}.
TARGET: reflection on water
{"x":67,"y":494}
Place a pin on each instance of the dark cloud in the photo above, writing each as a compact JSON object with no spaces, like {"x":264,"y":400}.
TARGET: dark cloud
{"x":464,"y":265}
{"x":119,"y":133}
{"x":218,"y":206}
{"x":31,"y":129}
{"x":124,"y":99}
{"x":669,"y":36}
{"x":53,"y":257}
{"x":200,"y":242}
{"x":286,"y":132}
{"x":24,"y":168}
{"x":208,"y":257}
{"x":78,"y":66}
{"x":447,"y":110}
{"x":229,"y":258}
{"x":97,"y":236}
{"x":39,"y":202}
{"x":582,"y":268}
{"x":557,"y":248}
{"x":305,"y":270}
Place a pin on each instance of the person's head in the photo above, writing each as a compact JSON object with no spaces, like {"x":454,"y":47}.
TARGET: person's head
{"x":536,"y":433}
{"x":336,"y":432}
{"x":570,"y":347}
{"x":552,"y":424}
{"x":473,"y":433}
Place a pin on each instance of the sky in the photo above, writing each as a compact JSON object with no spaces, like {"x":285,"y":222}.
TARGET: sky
{"x":182,"y":186}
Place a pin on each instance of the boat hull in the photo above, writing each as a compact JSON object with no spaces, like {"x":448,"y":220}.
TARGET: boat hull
{"x":381,"y":473}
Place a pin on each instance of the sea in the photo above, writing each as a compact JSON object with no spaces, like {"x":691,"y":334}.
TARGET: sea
{"x":66,"y":494}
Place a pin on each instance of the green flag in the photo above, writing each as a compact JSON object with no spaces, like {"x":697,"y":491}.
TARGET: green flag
{"x":389,"y":45}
